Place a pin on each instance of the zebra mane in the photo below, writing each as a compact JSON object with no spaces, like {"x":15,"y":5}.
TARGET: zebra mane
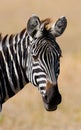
{"x":46,"y":22}
{"x":17,"y":36}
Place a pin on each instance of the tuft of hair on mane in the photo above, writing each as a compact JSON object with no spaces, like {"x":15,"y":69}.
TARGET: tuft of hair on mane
{"x":46,"y":22}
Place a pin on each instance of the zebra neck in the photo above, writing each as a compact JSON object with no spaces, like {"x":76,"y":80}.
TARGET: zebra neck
{"x":13,"y":59}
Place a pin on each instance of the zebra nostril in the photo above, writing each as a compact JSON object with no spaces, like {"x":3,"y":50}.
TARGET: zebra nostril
{"x":45,"y":98}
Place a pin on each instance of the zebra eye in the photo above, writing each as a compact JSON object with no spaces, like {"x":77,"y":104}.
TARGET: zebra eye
{"x":35,"y":57}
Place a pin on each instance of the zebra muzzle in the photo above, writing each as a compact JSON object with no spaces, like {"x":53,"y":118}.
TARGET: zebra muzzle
{"x":52,"y":98}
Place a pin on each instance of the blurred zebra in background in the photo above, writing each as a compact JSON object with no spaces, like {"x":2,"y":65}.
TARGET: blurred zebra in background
{"x":33,"y":56}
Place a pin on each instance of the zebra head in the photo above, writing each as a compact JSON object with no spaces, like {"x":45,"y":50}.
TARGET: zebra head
{"x":45,"y":53}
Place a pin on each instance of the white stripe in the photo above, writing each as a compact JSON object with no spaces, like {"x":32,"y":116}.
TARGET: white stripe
{"x":36,"y":67}
{"x":0,"y":46}
{"x":14,"y":44}
{"x":41,"y":79}
{"x":22,"y":50}
{"x":42,"y":85}
{"x":18,"y":38}
{"x":38,"y":74}
{"x":17,"y":54}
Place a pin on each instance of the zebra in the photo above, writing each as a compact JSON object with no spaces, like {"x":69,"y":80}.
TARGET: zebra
{"x":32,"y":55}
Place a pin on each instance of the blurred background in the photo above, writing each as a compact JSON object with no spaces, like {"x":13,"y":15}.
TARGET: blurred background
{"x":25,"y":111}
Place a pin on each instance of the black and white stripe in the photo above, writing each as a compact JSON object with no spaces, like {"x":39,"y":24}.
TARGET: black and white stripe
{"x":13,"y":57}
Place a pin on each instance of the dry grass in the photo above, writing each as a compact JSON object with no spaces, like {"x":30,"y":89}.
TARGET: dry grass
{"x":25,"y":111}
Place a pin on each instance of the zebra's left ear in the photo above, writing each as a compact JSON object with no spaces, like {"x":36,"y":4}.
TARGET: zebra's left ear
{"x":33,"y":25}
{"x":59,"y":27}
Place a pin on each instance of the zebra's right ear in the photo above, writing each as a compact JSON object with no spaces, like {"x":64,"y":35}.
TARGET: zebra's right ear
{"x":59,"y":27}
{"x":33,"y":25}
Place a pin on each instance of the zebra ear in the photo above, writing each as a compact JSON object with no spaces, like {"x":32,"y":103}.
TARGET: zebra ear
{"x":33,"y":25}
{"x":59,"y":27}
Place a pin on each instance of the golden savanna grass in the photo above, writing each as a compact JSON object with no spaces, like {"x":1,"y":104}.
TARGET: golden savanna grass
{"x":25,"y":111}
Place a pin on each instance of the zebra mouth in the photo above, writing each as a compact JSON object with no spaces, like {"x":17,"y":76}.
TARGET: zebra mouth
{"x":50,"y":108}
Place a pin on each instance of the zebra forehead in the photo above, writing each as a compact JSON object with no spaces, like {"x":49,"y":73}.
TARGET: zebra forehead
{"x":43,"y":45}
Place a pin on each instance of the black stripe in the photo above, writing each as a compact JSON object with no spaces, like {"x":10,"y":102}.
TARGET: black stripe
{"x":5,"y":78}
{"x":22,"y":33}
{"x":20,"y":52}
{"x":2,"y":85}
{"x":25,"y":55}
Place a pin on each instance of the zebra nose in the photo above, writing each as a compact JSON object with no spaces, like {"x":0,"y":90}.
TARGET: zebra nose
{"x":52,"y":98}
{"x":50,"y":85}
